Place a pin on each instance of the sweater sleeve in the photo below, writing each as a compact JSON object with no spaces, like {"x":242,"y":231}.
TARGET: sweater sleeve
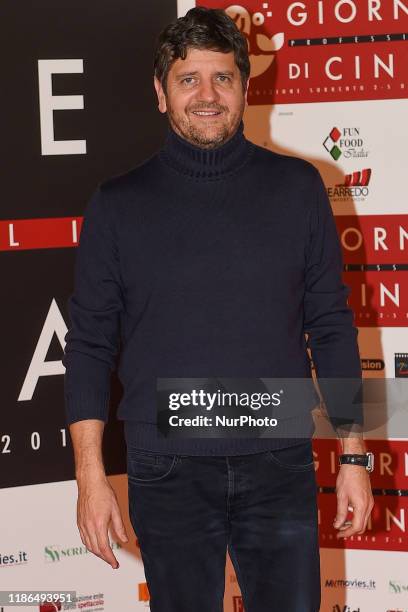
{"x":92,"y":339}
{"x":328,"y":320}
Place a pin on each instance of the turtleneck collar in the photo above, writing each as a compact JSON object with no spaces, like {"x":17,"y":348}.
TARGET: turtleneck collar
{"x":206,"y":164}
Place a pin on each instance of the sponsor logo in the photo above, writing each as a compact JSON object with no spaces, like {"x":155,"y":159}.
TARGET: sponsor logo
{"x":261,"y":47}
{"x":370,"y":365}
{"x":15,"y":558}
{"x":54,"y":552}
{"x":354,"y":187}
{"x":401,"y":365}
{"x":398,"y":587}
{"x":88,"y":601}
{"x":350,"y":583}
{"x":361,"y":178}
{"x":346,"y":142}
{"x":93,"y":601}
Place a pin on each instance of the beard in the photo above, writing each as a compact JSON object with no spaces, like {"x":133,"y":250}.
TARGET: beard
{"x":206,"y":138}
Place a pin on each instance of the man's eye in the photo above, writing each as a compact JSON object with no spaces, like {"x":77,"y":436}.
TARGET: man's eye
{"x":224,"y":76}
{"x":187,"y":79}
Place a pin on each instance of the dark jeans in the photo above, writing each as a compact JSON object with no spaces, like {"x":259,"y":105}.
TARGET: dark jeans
{"x":187,"y":510}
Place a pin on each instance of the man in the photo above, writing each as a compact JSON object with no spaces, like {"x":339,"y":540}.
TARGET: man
{"x":212,"y":258}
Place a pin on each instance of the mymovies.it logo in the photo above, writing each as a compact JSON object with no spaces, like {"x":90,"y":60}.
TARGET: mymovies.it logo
{"x":345,"y":142}
{"x":13,"y":558}
{"x":350,"y":583}
{"x":55,"y":552}
{"x":345,"y":608}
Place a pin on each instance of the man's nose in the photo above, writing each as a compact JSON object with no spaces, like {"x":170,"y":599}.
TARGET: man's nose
{"x":207,"y":91}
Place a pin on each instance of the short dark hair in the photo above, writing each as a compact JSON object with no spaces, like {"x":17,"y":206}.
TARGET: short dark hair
{"x":200,"y":28}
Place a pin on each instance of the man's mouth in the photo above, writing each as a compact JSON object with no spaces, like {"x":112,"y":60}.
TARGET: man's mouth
{"x":206,"y":113}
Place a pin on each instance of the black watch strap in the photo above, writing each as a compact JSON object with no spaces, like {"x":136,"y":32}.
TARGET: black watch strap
{"x":365,"y":460}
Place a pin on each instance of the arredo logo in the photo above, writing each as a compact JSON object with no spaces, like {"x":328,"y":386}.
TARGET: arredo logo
{"x":55,"y":552}
{"x":347,"y":143}
{"x":261,"y":48}
{"x":354,"y":186}
{"x":361,"y":178}
{"x":401,"y":365}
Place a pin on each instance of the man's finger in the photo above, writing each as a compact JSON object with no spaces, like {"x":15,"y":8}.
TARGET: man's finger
{"x":367,"y":516}
{"x":93,"y":540}
{"x":118,"y":525}
{"x":84,"y":538}
{"x":341,"y":515}
{"x":357,"y":523}
{"x":105,"y":550}
{"x":364,"y":527}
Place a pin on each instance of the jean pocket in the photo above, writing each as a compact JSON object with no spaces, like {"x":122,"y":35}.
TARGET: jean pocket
{"x":296,"y":458}
{"x":148,"y":466}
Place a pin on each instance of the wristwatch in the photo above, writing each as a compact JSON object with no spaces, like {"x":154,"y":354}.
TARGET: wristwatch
{"x":366,"y":460}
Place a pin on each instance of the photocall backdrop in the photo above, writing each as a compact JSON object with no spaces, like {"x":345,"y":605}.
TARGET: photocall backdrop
{"x":329,"y":82}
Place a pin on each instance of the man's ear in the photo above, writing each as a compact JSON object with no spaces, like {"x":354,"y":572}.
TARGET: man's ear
{"x":160,"y":95}
{"x":246,"y":92}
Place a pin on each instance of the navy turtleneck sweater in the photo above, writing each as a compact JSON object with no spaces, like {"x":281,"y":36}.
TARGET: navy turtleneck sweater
{"x":205,"y":263}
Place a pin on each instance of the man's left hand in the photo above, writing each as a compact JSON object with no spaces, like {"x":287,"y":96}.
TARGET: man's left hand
{"x":353,"y":488}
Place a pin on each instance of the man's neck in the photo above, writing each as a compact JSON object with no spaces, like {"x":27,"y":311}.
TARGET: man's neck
{"x":202,"y":163}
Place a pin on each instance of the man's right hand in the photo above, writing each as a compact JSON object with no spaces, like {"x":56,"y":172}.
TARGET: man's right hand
{"x":97,"y":506}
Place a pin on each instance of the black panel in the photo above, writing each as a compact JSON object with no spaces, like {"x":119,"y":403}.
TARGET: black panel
{"x":122,"y":126}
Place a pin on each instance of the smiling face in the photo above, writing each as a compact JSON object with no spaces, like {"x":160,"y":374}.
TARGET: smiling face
{"x":204,"y":97}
